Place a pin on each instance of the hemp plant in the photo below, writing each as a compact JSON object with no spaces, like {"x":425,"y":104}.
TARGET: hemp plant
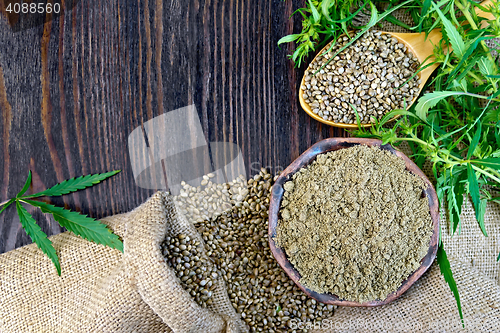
{"x":322,"y":20}
{"x":325,"y":20}
{"x":79,"y":224}
{"x":457,"y":126}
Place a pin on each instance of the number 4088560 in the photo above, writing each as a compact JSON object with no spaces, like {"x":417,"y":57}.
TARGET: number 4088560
{"x":33,"y":8}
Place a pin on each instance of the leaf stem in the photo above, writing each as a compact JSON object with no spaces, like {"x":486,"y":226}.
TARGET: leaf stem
{"x":417,"y":140}
{"x":487,"y":174}
{"x":465,"y":11}
{"x":3,"y":203}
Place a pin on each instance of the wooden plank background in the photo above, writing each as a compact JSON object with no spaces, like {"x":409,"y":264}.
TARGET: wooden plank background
{"x":72,"y":90}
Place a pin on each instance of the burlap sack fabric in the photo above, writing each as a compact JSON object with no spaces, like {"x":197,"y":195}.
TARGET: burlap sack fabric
{"x":103,"y":290}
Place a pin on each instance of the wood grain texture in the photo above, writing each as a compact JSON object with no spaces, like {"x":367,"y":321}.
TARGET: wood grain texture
{"x":72,"y":91}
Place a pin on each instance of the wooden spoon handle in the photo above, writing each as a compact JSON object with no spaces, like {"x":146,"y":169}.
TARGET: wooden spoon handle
{"x":489,"y":16}
{"x":486,"y":4}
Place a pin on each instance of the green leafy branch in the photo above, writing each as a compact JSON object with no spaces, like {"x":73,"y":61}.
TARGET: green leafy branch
{"x":79,"y":224}
{"x":445,"y":268}
{"x":456,"y":127}
{"x":480,"y":166}
{"x":324,"y":20}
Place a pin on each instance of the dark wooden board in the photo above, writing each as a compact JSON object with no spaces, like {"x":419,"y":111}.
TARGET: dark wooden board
{"x":72,"y":90}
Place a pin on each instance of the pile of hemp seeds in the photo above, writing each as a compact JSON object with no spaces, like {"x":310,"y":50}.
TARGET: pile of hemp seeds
{"x":375,"y":75}
{"x":236,"y":244}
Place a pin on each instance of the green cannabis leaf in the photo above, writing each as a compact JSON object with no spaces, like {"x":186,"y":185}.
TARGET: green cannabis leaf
{"x":487,"y":67}
{"x":37,"y":235}
{"x":476,"y":197}
{"x":456,"y":40}
{"x":474,"y":142}
{"x":74,"y":184}
{"x":7,"y":204}
{"x":81,"y":225}
{"x":493,"y":163}
{"x":288,"y":39}
{"x":430,"y":100}
{"x":314,"y":11}
{"x":445,"y":268}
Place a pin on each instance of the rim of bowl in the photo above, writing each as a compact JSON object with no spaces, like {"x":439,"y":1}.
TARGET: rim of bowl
{"x":308,"y":157}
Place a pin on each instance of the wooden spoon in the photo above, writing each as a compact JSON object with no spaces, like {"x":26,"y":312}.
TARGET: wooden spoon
{"x":418,"y":44}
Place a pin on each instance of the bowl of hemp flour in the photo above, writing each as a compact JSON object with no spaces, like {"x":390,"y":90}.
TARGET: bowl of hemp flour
{"x":353,"y":222}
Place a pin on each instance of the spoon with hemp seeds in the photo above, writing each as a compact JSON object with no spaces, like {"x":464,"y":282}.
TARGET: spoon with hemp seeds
{"x":336,"y":99}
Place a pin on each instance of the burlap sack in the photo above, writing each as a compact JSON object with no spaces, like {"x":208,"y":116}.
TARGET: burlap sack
{"x":104,"y":290}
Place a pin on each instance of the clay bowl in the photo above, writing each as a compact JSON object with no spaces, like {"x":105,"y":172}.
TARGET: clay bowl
{"x":306,"y":158}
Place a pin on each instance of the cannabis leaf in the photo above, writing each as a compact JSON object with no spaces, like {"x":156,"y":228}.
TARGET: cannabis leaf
{"x":456,"y":41}
{"x":26,"y":185}
{"x":474,"y":142}
{"x":445,"y":268}
{"x":79,"y":224}
{"x":37,"y":235}
{"x":7,"y":204}
{"x":476,"y":197}
{"x":493,"y":163}
{"x":74,"y":184}
{"x":431,"y":99}
{"x":288,"y":39}
{"x":325,"y":9}
{"x":486,"y":66}
{"x":425,"y":8}
{"x":471,"y":47}
{"x":454,"y":195}
{"x":315,"y":13}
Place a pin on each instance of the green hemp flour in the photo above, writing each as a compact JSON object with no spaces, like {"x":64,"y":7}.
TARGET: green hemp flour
{"x":354,"y":223}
